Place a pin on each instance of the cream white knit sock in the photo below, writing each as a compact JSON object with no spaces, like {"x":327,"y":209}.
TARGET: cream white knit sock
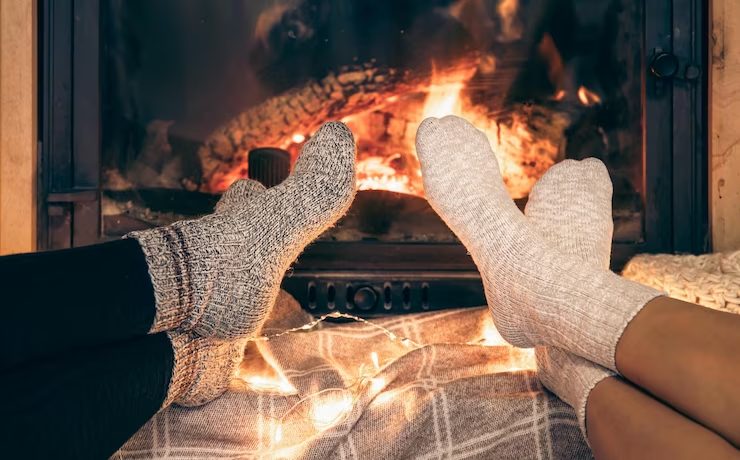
{"x":571,"y":206}
{"x":537,"y":294}
{"x":203,"y":368}
{"x":220,"y":274}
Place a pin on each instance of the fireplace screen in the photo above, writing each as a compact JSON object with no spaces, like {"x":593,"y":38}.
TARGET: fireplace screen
{"x":190,"y":89}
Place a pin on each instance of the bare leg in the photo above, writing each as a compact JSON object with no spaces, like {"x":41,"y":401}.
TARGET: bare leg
{"x":623,"y":422}
{"x":689,"y":357}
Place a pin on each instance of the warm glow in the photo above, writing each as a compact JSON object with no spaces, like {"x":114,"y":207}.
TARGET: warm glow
{"x":491,"y":336}
{"x":377,"y":173}
{"x":375,"y":360}
{"x":278,"y":434}
{"x":519,"y":358}
{"x":269,"y":384}
{"x":522,"y":159}
{"x":444,"y":98}
{"x":385,"y":138}
{"x":507,"y":10}
{"x":523,"y":359}
{"x":329,"y":410}
{"x":265,"y":374}
{"x":377,"y":384}
{"x":588,"y":97}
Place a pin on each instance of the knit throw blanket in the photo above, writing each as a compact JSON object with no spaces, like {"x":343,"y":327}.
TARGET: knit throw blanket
{"x":349,"y":391}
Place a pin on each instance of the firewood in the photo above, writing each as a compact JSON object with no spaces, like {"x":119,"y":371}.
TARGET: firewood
{"x":301,"y":111}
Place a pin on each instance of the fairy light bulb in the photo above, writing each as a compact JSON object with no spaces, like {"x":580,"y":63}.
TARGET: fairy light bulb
{"x":375,"y":360}
{"x":328,"y":411}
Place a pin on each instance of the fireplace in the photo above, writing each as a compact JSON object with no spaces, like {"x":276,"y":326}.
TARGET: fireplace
{"x":157,"y":109}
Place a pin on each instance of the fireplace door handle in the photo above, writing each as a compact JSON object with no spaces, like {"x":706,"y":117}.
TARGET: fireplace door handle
{"x":665,"y":66}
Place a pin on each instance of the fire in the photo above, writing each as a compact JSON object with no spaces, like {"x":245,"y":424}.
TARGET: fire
{"x":522,"y":159}
{"x":588,"y":97}
{"x":386,"y":157}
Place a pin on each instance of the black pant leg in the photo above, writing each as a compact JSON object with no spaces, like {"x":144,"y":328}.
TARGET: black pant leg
{"x":54,"y":302}
{"x":86,"y":404}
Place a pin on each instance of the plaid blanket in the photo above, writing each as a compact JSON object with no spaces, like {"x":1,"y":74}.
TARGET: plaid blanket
{"x":348,"y":391}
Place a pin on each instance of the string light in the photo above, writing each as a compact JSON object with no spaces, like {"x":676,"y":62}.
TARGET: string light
{"x":374,"y":359}
{"x":329,"y":407}
{"x":337,"y":315}
{"x":262,"y":383}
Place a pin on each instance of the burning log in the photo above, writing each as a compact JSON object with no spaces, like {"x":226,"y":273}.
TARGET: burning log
{"x":293,"y":115}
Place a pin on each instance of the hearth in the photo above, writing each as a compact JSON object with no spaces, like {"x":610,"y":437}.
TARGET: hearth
{"x":149,"y":110}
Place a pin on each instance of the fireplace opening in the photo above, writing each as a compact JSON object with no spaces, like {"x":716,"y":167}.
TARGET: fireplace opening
{"x":186,"y":93}
{"x":189,"y":94}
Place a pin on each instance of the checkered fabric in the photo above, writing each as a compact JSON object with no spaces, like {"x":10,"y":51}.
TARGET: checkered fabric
{"x":346,"y":391}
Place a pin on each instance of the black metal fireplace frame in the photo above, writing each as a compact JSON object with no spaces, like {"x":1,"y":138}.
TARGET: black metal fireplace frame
{"x":675,"y":141}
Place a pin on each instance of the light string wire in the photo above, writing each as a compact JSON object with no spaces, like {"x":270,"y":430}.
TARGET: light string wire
{"x":354,"y":387}
{"x":337,"y":315}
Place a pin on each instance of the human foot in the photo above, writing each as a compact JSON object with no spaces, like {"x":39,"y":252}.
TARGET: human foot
{"x":537,"y":295}
{"x":571,"y":207}
{"x":220,"y":274}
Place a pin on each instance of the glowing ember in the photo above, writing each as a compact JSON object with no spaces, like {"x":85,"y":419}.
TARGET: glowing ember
{"x":378,"y":173}
{"x":385,"y":137}
{"x":587,"y":97}
{"x":522,"y":159}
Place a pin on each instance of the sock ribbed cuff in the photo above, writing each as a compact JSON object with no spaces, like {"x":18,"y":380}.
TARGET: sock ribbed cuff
{"x":164,"y":250}
{"x":203,"y":368}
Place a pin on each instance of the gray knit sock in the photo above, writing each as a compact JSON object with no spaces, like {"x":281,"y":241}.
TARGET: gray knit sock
{"x":203,"y":368}
{"x":220,"y":274}
{"x":571,"y":207}
{"x":537,"y":294}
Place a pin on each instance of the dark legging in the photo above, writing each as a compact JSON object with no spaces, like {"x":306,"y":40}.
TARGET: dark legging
{"x":78,"y":373}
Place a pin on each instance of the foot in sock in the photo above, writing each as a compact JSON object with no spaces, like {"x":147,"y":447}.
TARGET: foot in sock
{"x":203,"y":368}
{"x":537,"y":295}
{"x":220,"y":274}
{"x":571,"y":207}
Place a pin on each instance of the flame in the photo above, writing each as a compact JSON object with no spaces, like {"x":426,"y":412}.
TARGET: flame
{"x":510,"y":28}
{"x":378,"y":173}
{"x":386,"y":156}
{"x":443,"y":98}
{"x":588,"y":97}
